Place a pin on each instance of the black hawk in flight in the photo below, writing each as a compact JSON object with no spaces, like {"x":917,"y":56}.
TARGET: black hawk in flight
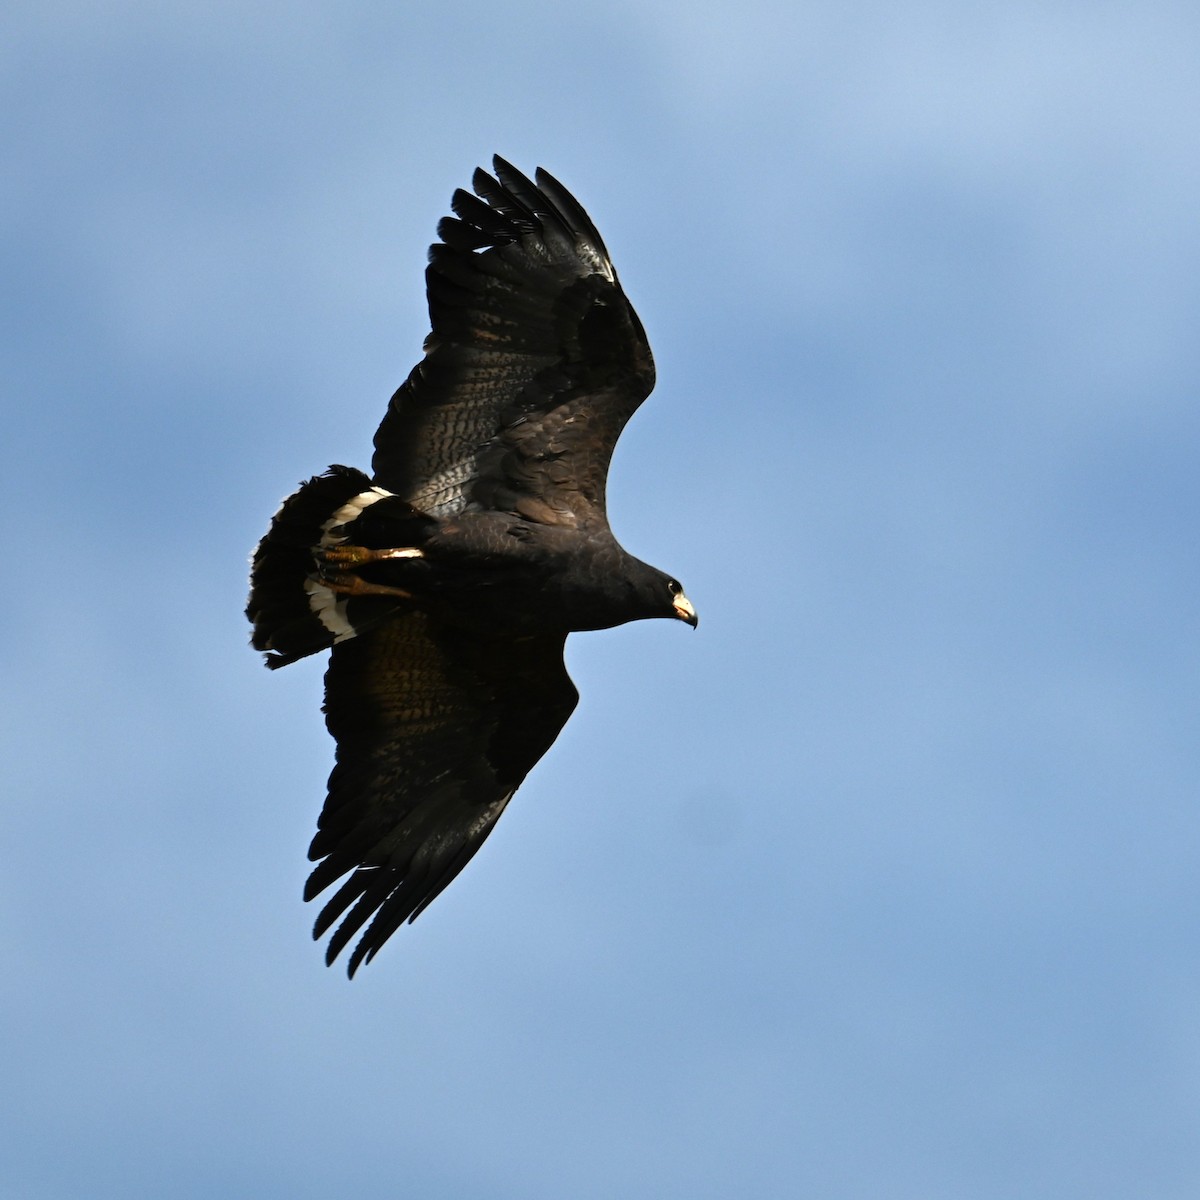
{"x":446,"y":581}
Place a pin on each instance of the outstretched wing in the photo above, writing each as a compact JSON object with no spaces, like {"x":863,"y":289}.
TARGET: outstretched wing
{"x":436,"y":728}
{"x":535,"y":362}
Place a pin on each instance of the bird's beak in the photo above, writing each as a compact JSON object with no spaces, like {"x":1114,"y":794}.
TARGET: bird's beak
{"x":684,"y":610}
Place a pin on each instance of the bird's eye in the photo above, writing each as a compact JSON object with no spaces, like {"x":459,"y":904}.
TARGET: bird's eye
{"x":674,"y":587}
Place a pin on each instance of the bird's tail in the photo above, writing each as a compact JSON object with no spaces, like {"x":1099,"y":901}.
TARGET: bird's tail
{"x":294,"y":607}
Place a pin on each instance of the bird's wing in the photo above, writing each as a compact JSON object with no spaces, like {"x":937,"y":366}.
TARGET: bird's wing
{"x":535,"y":362}
{"x":435,"y":728}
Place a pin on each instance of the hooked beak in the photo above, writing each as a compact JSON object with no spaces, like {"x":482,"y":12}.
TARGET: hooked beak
{"x":684,"y":610}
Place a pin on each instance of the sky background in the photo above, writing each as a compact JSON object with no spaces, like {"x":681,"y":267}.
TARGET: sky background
{"x":881,"y":885}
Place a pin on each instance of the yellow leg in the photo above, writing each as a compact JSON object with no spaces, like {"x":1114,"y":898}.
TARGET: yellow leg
{"x":336,"y":566}
{"x":352,"y":585}
{"x":360,"y":556}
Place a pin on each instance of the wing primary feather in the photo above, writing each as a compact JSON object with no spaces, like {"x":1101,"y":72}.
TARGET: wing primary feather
{"x":502,"y":200}
{"x":396,"y":909}
{"x":555,"y":228}
{"x":572,"y":212}
{"x":353,"y":921}
{"x":410,"y":899}
{"x":458,"y":235}
{"x":343,"y":898}
{"x":521,"y":188}
{"x":323,"y":874}
{"x":499,"y":226}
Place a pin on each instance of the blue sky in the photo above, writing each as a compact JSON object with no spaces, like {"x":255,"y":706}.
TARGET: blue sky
{"x":881,"y":884}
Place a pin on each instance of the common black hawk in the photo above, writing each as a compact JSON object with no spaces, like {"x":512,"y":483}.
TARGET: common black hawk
{"x":446,"y":581}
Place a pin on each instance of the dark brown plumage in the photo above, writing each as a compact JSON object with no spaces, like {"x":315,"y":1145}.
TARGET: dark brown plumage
{"x":447,"y":582}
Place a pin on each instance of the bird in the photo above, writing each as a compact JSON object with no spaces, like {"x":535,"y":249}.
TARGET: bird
{"x":444,"y":583}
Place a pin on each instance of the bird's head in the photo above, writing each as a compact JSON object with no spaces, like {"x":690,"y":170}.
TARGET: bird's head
{"x":681,"y":606}
{"x":631,"y":590}
{"x":658,"y":595}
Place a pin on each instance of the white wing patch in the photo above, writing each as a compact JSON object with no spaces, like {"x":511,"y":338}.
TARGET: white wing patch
{"x":352,"y":509}
{"x":329,"y":609}
{"x":327,"y":606}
